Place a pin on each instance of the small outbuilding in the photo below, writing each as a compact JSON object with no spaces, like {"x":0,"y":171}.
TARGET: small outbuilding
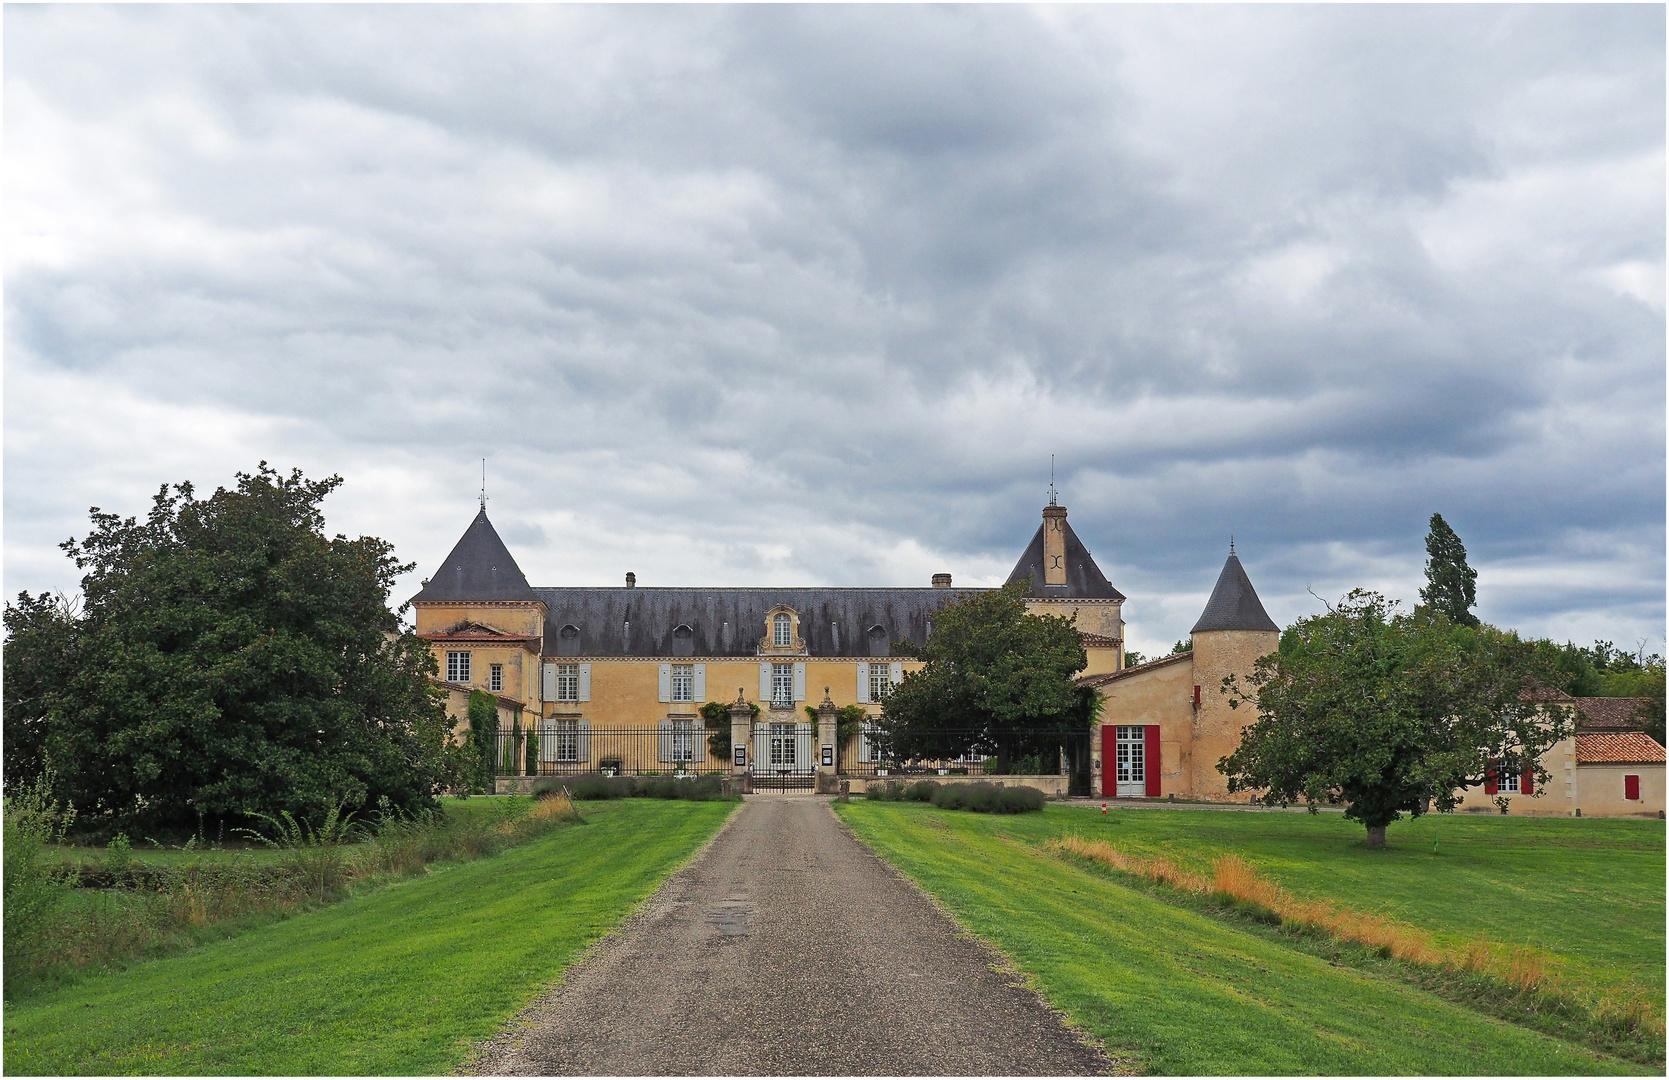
{"x":1604,"y":770}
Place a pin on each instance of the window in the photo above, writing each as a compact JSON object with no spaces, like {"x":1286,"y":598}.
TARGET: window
{"x":880,"y":681}
{"x":1507,"y":783}
{"x":1631,"y":788}
{"x":782,"y":631}
{"x":457,"y":666}
{"x":495,"y":677}
{"x":567,"y":682}
{"x":565,"y":741}
{"x":1131,"y":750}
{"x":783,"y":738}
{"x":683,"y":683}
{"x":782,"y":686}
{"x":872,"y":744}
{"x":683,"y":740}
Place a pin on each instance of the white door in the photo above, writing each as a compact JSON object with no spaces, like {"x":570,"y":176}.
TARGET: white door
{"x":785,"y":745}
{"x":1131,"y":752}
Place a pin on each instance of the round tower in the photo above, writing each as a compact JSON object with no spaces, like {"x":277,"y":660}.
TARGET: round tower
{"x":1230,"y":635}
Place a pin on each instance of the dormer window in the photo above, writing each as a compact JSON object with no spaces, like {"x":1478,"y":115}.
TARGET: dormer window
{"x":878,"y":645}
{"x":683,"y":641}
{"x":568,"y":641}
{"x":782,"y":631}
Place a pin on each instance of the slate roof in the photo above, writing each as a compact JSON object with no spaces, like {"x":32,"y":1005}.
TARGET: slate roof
{"x":1083,"y":577}
{"x":1234,"y":604}
{"x":618,"y":621}
{"x":479,"y":568}
{"x":1617,"y":748}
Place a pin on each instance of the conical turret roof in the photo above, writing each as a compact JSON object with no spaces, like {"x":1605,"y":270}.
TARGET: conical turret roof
{"x":1234,"y":604}
{"x":1083,"y":577}
{"x":479,"y":568}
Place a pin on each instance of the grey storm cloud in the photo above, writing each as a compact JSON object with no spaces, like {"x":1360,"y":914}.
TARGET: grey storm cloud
{"x":810,"y":294}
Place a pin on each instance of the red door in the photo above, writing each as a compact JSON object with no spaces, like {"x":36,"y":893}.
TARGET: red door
{"x":1109,"y":752}
{"x":1151,"y":760}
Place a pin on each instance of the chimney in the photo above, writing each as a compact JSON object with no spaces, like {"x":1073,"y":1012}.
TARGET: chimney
{"x":1054,"y":545}
{"x":941,"y":581}
{"x":631,"y":580}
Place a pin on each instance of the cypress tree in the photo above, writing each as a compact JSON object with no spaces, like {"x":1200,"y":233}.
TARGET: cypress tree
{"x":1452,"y":586}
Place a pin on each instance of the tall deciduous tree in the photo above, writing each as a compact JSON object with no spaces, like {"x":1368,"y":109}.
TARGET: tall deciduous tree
{"x":1391,"y":713}
{"x":995,"y":680}
{"x":1451,"y":585}
{"x":227,"y":659}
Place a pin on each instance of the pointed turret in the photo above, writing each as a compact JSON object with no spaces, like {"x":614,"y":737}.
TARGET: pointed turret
{"x":1234,"y":604}
{"x":1057,"y":565}
{"x":479,"y":568}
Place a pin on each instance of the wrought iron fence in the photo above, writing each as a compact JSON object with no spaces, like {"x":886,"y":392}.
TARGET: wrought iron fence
{"x":1035,"y":753}
{"x":780,"y":754}
{"x":573,"y":747}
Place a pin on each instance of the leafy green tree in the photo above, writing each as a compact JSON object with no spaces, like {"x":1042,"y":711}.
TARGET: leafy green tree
{"x":41,"y":643}
{"x":1451,"y":585}
{"x":1390,"y":713}
{"x":227,"y":660}
{"x":483,"y":736}
{"x":995,"y":680}
{"x":1183,"y":645}
{"x":1603,"y":670}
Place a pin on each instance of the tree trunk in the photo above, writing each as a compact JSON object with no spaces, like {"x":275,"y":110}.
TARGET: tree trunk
{"x":1376,"y":836}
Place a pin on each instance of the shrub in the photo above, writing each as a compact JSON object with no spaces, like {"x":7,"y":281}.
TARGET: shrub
{"x":318,"y":856}
{"x":34,"y":892}
{"x":595,"y":786}
{"x":984,"y":798}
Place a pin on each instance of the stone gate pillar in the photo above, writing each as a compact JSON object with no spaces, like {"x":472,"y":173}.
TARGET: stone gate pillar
{"x":827,"y":750}
{"x":741,"y":733}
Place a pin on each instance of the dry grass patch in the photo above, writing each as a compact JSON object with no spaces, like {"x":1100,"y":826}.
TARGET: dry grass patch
{"x":1524,"y":969}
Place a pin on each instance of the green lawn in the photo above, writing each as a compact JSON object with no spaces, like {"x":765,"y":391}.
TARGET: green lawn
{"x":1181,"y":992}
{"x":402,"y":980}
{"x":1587,"y":891}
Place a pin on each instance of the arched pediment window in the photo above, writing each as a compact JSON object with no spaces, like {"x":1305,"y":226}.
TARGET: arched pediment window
{"x":782,"y":630}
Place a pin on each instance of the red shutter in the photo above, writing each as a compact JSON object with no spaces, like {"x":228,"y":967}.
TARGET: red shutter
{"x":1150,"y":759}
{"x":1631,"y":787}
{"x":1109,"y":761}
{"x":1490,"y":786}
{"x":1528,"y":784}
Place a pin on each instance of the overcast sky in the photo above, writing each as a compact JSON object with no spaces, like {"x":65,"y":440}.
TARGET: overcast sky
{"x":808,"y":295}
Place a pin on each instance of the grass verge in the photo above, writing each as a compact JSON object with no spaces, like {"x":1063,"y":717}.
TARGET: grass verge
{"x":402,"y":980}
{"x":1178,"y":990}
{"x":1509,"y":982}
{"x":65,"y":918}
{"x":1587,"y":893}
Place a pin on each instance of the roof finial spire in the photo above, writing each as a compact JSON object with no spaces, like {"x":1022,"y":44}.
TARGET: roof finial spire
{"x":483,"y":485}
{"x":1231,"y":543}
{"x":1052,"y":492}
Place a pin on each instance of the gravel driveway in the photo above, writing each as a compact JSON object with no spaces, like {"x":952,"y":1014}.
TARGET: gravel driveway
{"x":786,"y":948}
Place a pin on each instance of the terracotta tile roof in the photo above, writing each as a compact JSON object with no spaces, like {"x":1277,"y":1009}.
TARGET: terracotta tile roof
{"x":1101,"y":640}
{"x":1610,"y":713}
{"x":1115,"y":676}
{"x":1617,"y":748}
